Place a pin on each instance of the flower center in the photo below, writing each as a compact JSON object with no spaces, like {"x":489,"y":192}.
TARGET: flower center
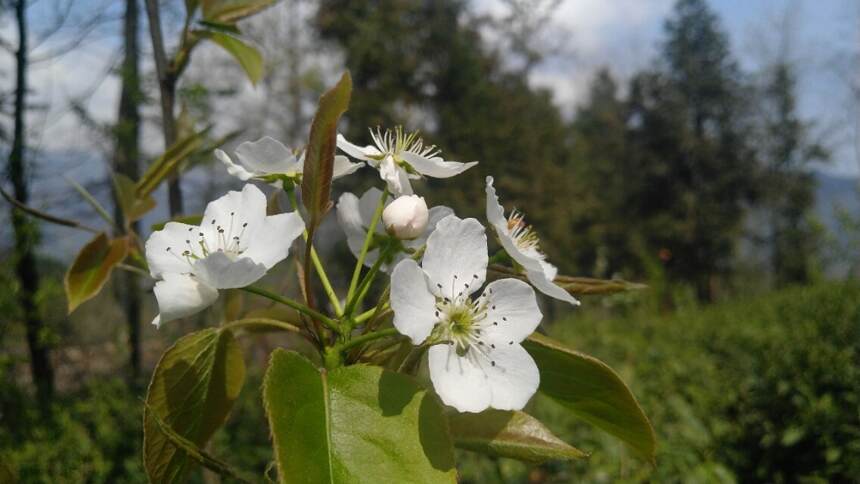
{"x":392,"y":143}
{"x":225,"y":236}
{"x":524,"y":236}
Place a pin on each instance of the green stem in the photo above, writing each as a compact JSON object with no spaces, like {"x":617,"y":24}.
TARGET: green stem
{"x":382,"y":333}
{"x":295,"y":305}
{"x":329,"y":291}
{"x":274,"y":323}
{"x":371,"y":230}
{"x":364,"y":286}
{"x":370,"y":313}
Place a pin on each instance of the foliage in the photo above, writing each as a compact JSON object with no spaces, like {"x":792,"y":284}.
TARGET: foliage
{"x":763,"y":389}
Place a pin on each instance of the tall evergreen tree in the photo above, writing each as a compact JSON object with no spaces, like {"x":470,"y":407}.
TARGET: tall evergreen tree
{"x":786,"y":151}
{"x":695,"y":123}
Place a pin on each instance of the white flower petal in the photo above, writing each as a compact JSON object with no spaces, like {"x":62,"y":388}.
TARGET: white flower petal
{"x":546,"y":285}
{"x":413,"y":304}
{"x":512,"y":310}
{"x":267,"y":155}
{"x":181,"y":295}
{"x":164,"y":249}
{"x":234,"y":169}
{"x":495,"y":211}
{"x":496,"y":217}
{"x":349,"y":217}
{"x":367,"y":206}
{"x":231,"y":211}
{"x":395,"y":177}
{"x":221,"y":272}
{"x":271,"y":242}
{"x":514,"y":379}
{"x":436,"y":214}
{"x":343,"y":167}
{"x":435,"y":167}
{"x":355,"y":151}
{"x":458,"y":380}
{"x":456,"y":256}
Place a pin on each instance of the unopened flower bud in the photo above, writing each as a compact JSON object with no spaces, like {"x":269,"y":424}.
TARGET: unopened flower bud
{"x":406,"y":217}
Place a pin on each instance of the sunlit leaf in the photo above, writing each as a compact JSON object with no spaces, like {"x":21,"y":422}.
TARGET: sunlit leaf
{"x":168,"y":163}
{"x":133,"y":208}
{"x":509,"y":434}
{"x":92,"y":268}
{"x":353,"y":424}
{"x":319,"y":157}
{"x":592,"y":391}
{"x":227,"y":11}
{"x":246,"y":55}
{"x":192,"y":390}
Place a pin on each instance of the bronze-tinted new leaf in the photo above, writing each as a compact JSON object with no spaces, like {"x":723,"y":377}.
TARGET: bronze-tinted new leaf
{"x":516,"y":435}
{"x":133,"y":208}
{"x":92,"y":268}
{"x":168,"y":163}
{"x":319,"y":157}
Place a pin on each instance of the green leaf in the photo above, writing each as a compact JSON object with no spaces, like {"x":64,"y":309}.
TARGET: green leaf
{"x":247,"y":56}
{"x":319,"y":158}
{"x":227,"y":11}
{"x":185,"y":219}
{"x":192,"y":391}
{"x":168,"y":163}
{"x":192,"y":451}
{"x":593,"y":392}
{"x":220,"y":27}
{"x":133,"y":208}
{"x":509,"y":434}
{"x":357,"y":424}
{"x":92,"y":268}
{"x":89,"y":198}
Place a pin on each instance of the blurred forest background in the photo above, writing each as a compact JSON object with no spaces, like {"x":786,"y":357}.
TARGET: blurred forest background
{"x":707,"y":148}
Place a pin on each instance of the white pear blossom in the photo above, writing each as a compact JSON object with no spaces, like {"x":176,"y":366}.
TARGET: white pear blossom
{"x":406,"y":217}
{"x":355,"y":214}
{"x":234,"y":245}
{"x":268,"y":157}
{"x":522,"y":244}
{"x":400,"y":157}
{"x":476,"y":360}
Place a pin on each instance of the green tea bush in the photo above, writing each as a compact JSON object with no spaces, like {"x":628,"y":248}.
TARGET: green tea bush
{"x":765,"y":389}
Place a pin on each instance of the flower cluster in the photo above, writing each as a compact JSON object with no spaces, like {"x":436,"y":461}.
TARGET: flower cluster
{"x":438,"y":262}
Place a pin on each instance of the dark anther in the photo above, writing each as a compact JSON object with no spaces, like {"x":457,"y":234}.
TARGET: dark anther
{"x":510,"y":342}
{"x":495,"y":323}
{"x":493,"y":346}
{"x":232,"y":213}
{"x":187,"y":241}
{"x":439,"y":286}
{"x":504,"y":318}
{"x":493,"y":363}
{"x":245,"y":224}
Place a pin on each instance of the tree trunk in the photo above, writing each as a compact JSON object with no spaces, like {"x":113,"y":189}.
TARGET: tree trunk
{"x":126,"y":155}
{"x":167,"y":88}
{"x":26,"y":231}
